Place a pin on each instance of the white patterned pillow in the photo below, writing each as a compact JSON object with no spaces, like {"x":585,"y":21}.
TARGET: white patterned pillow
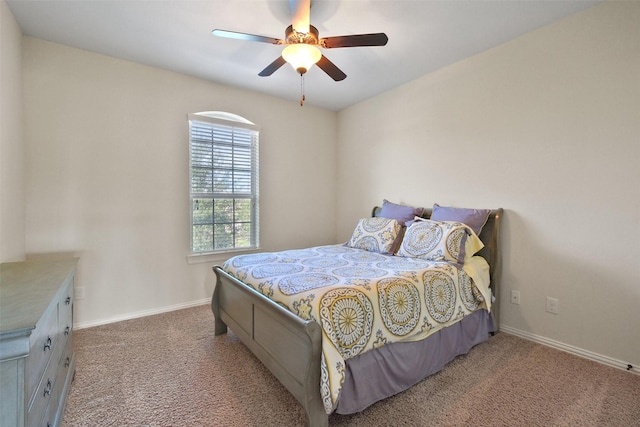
{"x":438,"y":241}
{"x":375,"y":234}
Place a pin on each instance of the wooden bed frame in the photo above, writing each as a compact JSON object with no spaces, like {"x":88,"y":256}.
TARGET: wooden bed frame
{"x":291,"y":347}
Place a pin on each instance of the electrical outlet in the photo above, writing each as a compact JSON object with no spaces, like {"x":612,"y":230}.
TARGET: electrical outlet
{"x":79,"y":292}
{"x":515,"y":297}
{"x":552,"y":305}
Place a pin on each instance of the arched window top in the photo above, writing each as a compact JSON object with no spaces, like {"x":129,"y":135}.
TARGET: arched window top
{"x":223,"y":115}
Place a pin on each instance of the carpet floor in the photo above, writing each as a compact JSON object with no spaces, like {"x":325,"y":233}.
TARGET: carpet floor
{"x":170,"y":370}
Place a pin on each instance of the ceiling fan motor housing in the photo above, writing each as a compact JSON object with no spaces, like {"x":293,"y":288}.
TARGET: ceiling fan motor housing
{"x":292,"y":36}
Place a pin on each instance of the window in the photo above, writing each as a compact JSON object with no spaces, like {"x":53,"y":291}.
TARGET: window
{"x":223,"y":163}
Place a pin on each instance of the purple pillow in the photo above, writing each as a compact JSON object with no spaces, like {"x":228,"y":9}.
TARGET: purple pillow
{"x":400,"y":213}
{"x":474,"y":218}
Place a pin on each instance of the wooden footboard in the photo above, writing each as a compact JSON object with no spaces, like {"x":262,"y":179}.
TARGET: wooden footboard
{"x":290,"y":347}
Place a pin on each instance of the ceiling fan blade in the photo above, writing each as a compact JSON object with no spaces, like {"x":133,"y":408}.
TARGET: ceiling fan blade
{"x":355,"y":40}
{"x":247,"y":37}
{"x":330,"y":68}
{"x":271,"y":68}
{"x":300,"y":12}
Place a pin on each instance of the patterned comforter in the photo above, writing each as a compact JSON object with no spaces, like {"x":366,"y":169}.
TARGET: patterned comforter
{"x":364,"y":300}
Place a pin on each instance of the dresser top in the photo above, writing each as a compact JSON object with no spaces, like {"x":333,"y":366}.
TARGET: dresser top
{"x":27,"y":288}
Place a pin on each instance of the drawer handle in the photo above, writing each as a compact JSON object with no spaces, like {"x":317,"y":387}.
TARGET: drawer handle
{"x":66,"y":330}
{"x":67,"y":362}
{"x":47,"y":345}
{"x":67,"y":301}
{"x":47,"y":389}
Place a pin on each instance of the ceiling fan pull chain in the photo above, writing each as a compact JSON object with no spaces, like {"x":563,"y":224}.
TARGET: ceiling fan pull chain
{"x":302,"y":99}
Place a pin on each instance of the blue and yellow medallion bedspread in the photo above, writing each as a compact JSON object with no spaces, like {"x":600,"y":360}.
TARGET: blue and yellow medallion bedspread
{"x":362,"y":299}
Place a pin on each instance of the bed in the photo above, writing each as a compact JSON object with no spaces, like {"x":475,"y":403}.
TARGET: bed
{"x":327,"y":371}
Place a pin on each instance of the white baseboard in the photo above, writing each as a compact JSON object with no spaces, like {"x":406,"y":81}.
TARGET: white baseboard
{"x":143,"y":313}
{"x":605,"y":360}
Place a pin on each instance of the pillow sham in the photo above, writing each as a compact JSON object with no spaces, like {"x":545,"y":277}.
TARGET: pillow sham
{"x":400,"y":213}
{"x":375,"y":235}
{"x":474,"y":218}
{"x":439,"y":241}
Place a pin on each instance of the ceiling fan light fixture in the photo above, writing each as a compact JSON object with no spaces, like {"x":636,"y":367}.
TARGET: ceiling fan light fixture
{"x":301,"y":56}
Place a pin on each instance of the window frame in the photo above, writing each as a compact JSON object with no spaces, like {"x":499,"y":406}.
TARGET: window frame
{"x":225,"y":119}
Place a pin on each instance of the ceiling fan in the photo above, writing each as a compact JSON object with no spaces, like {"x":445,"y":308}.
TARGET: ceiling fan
{"x":302,"y":41}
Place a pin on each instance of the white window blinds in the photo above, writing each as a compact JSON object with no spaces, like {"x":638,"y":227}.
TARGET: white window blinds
{"x":224,"y":184}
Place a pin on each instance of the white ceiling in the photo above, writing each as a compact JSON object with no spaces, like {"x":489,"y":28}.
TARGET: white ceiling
{"x":176,"y":35}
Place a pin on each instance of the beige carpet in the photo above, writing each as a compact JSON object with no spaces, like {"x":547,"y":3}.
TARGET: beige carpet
{"x":170,"y":370}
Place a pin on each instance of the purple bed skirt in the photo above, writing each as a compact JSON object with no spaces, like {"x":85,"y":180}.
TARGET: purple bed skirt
{"x":390,"y":369}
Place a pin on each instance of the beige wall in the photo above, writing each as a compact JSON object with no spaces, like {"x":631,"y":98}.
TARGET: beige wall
{"x":12,"y":228}
{"x":546,"y":126}
{"x":107,"y":175}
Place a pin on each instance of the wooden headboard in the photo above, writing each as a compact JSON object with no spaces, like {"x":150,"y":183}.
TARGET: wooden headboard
{"x":490,"y":236}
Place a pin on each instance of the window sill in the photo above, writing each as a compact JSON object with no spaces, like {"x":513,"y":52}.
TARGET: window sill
{"x":218,"y":257}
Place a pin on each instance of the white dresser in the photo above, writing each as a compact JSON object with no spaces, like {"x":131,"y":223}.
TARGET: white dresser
{"x":36,"y":341}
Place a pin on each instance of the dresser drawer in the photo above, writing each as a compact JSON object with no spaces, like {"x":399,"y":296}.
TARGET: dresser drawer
{"x":65,"y":319}
{"x":66,"y":361}
{"x":43,"y":343}
{"x":65,"y":327}
{"x":65,"y":373}
{"x":43,"y":394}
{"x":65,"y":307}
{"x":53,"y":404}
